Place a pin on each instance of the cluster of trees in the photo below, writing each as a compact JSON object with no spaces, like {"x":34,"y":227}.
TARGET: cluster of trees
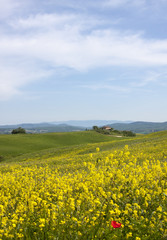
{"x":113,"y":131}
{"x":18,"y":130}
{"x":128,"y":133}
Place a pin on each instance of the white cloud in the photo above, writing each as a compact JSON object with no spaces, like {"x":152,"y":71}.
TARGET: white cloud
{"x":151,"y":77}
{"x":70,"y":41}
{"x":15,"y":76}
{"x":69,"y":45}
{"x":58,"y":22}
{"x":100,"y":86}
{"x":10,"y":7}
{"x":43,"y":21}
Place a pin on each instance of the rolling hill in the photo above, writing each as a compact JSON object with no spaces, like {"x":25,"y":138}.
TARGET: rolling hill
{"x":41,"y":128}
{"x":20,"y":144}
{"x":71,"y":126}
{"x":140,"y":127}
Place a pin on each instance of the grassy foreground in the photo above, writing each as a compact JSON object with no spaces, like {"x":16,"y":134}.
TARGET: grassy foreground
{"x":77,"y":192}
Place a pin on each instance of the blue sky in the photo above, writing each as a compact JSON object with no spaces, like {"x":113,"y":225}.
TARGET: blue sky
{"x":83,"y":60}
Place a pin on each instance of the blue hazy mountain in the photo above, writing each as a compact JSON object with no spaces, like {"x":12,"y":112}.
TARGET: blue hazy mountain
{"x":80,"y":125}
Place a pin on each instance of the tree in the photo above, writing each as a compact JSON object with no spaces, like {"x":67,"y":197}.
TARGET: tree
{"x":18,"y":130}
{"x":95,"y":128}
{"x":129,"y":133}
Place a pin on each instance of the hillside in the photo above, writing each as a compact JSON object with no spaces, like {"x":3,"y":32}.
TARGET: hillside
{"x":41,"y":128}
{"x":86,"y":186}
{"x":140,"y":127}
{"x":12,"y":146}
{"x":72,"y":126}
{"x":16,"y":145}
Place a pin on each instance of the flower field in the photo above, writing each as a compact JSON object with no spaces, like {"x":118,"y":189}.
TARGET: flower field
{"x":88,"y":193}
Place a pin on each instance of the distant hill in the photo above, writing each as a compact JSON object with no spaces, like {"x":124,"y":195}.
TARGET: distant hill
{"x":140,"y":127}
{"x":61,"y":126}
{"x":90,"y":123}
{"x":70,"y":126}
{"x":41,"y":128}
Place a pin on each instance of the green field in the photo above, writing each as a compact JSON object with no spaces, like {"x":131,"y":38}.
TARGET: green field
{"x":25,"y":145}
{"x":17,"y":145}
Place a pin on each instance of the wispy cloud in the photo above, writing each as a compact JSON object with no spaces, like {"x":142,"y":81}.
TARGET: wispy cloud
{"x":145,"y":81}
{"x":68,"y":44}
{"x":114,"y":88}
{"x":14,"y":77}
{"x":9,"y":8}
{"x":70,"y":40}
{"x":68,"y":32}
{"x":155,"y":78}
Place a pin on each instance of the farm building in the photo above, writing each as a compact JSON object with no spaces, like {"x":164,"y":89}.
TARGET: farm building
{"x":106,"y":128}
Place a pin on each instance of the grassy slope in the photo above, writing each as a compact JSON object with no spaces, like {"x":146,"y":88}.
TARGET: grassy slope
{"x":18,"y":147}
{"x":15,"y":145}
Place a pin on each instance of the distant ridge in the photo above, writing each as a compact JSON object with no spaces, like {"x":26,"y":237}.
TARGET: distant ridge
{"x":40,"y":128}
{"x":59,"y":126}
{"x":91,"y":123}
{"x":74,"y":125}
{"x":140,"y":126}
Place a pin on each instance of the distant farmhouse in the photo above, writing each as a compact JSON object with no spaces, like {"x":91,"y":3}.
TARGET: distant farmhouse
{"x":106,"y":128}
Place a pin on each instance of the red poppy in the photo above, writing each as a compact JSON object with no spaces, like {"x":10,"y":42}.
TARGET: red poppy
{"x":115,"y":224}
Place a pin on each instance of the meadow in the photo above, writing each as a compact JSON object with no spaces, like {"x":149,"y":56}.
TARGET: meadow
{"x":18,"y":145}
{"x":83,"y":186}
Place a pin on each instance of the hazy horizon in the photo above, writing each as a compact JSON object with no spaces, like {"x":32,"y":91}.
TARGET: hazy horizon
{"x":73,"y":121}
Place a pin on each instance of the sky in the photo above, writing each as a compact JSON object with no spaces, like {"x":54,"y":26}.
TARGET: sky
{"x":83,"y":60}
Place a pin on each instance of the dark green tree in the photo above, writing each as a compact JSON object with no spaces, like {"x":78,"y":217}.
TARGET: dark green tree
{"x":95,"y":128}
{"x":129,"y":133}
{"x":18,"y":130}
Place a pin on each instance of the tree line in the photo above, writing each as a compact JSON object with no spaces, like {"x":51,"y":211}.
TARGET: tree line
{"x":113,"y":131}
{"x":18,"y":130}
